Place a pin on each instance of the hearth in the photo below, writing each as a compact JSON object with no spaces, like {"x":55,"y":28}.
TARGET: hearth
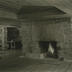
{"x":49,"y":49}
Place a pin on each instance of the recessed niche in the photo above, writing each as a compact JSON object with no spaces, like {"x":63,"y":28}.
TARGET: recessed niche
{"x":49,"y":48}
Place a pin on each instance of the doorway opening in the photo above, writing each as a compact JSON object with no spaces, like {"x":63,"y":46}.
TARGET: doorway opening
{"x":13,"y":38}
{"x":49,"y":49}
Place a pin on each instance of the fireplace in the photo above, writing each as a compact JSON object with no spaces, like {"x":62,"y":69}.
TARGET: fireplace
{"x":49,"y":49}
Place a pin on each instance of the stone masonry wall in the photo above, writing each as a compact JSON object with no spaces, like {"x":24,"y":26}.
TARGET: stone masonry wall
{"x":26,"y":36}
{"x":60,"y":32}
{"x":33,"y":32}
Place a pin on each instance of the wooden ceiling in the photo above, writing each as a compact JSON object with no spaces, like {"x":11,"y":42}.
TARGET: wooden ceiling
{"x":16,"y":5}
{"x":28,"y":12}
{"x":39,"y":9}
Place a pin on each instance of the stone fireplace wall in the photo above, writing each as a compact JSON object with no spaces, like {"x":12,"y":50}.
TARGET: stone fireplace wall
{"x":60,"y":31}
{"x":26,"y":36}
{"x":56,"y":31}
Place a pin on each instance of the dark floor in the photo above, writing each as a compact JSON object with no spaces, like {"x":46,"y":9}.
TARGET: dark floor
{"x":19,"y":64}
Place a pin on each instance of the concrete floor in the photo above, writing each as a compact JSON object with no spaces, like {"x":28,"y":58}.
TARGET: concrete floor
{"x":18,"y":64}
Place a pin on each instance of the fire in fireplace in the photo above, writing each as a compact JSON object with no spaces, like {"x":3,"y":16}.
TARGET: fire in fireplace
{"x":49,"y":48}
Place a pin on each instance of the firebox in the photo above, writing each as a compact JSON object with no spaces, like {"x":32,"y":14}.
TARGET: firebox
{"x":49,"y":48}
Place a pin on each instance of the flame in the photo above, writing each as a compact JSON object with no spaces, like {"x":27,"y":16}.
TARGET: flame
{"x":50,"y":49}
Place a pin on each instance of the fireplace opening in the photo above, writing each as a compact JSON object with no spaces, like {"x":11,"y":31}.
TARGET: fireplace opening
{"x":49,"y":49}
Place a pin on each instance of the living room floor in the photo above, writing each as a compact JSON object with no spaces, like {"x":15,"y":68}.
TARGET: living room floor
{"x":23,"y":64}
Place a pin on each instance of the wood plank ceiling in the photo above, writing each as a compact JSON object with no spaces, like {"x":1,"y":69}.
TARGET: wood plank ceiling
{"x":15,"y":5}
